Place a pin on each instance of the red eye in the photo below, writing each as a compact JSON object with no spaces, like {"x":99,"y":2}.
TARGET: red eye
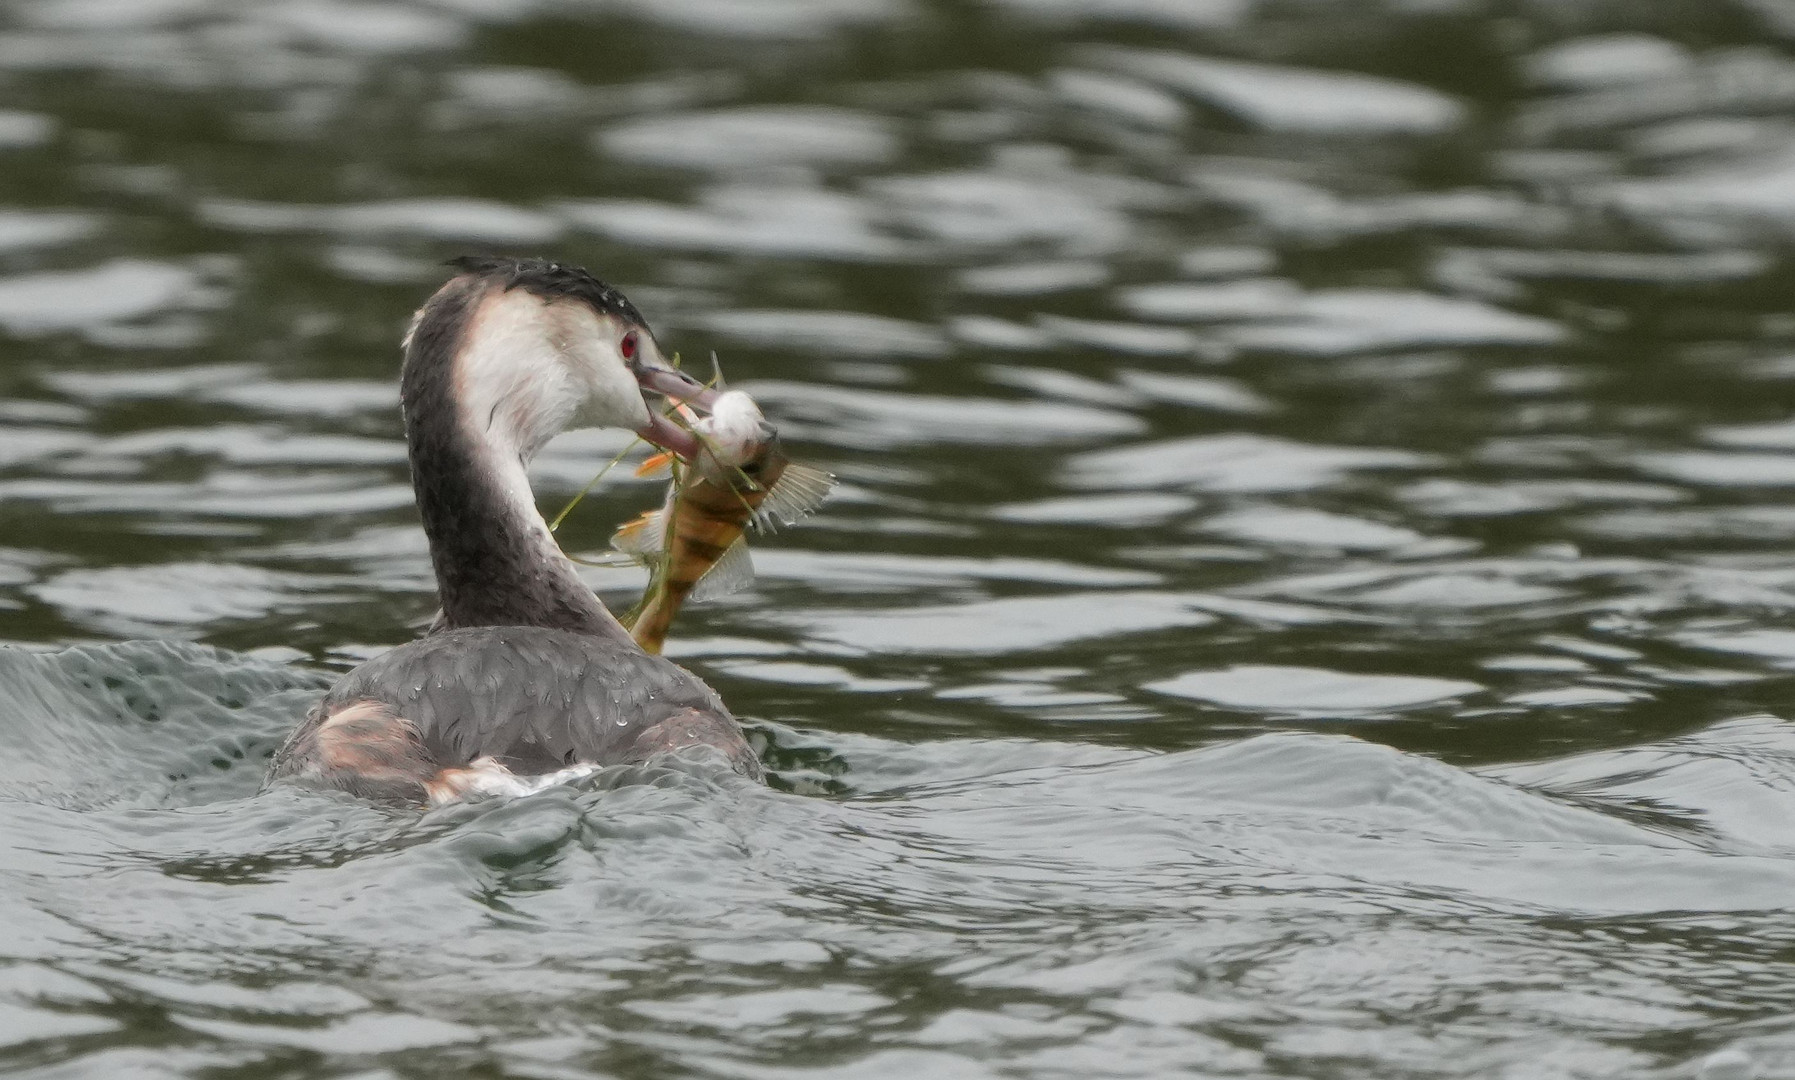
{"x":628,"y":345}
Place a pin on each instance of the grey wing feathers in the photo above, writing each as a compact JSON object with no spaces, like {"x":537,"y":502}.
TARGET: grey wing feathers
{"x":534,"y":698}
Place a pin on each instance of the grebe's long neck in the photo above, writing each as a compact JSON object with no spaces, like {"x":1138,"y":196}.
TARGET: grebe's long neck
{"x":481,"y":396}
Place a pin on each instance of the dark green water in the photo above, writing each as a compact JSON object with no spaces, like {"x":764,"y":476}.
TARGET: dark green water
{"x":1310,"y":594}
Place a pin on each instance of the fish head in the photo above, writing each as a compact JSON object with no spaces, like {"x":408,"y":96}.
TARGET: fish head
{"x":738,"y":442}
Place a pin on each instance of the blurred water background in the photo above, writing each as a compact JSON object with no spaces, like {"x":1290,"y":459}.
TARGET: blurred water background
{"x":1310,"y":593}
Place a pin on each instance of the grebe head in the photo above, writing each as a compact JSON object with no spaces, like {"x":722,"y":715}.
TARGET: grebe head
{"x":530,"y":348}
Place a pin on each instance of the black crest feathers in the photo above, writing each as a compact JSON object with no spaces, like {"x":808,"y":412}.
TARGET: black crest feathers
{"x":551,"y":280}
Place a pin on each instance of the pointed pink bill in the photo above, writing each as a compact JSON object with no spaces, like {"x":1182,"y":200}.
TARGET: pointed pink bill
{"x":676,"y":385}
{"x":668,"y":435}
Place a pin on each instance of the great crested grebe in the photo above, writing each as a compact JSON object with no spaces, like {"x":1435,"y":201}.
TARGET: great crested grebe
{"x":525,"y":676}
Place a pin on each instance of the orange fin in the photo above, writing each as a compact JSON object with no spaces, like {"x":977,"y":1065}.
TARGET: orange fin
{"x":641,"y":536}
{"x":656,"y":465}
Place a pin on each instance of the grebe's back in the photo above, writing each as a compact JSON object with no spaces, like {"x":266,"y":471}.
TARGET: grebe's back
{"x":408,"y":724}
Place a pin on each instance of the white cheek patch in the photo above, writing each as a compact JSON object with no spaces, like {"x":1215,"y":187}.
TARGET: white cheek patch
{"x":510,"y":378}
{"x":588,"y":346}
{"x":529,"y":369}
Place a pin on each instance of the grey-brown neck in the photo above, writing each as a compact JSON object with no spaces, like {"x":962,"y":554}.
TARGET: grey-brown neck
{"x":496,"y":562}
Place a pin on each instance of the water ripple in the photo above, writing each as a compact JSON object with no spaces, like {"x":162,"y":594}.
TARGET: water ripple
{"x":1307,"y":595}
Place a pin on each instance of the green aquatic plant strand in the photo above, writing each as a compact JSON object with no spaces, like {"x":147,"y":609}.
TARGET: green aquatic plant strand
{"x":555,"y":525}
{"x":657,"y":572}
{"x":590,"y":484}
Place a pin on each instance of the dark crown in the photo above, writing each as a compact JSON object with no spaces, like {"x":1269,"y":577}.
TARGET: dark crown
{"x":552,"y":280}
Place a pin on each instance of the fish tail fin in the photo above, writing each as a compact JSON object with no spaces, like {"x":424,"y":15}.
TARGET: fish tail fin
{"x":652,"y":621}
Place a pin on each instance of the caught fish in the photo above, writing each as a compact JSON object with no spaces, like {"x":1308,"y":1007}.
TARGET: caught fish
{"x":694,"y":543}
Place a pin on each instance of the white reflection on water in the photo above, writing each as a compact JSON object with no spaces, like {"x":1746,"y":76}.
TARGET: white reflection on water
{"x":1292,"y":99}
{"x":118,"y":290}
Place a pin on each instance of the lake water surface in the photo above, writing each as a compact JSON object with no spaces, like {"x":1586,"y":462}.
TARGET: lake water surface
{"x":1310,"y":593}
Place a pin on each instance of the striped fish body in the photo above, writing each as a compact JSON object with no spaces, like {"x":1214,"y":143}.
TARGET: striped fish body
{"x":709,"y":514}
{"x":694,"y":544}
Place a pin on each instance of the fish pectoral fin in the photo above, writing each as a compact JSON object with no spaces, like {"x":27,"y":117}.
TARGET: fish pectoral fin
{"x":800,"y":490}
{"x":642,"y":537}
{"x":730,"y":574}
{"x":656,"y":466}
